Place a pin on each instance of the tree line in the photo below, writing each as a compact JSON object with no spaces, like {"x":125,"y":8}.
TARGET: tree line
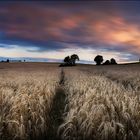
{"x":71,"y":60}
{"x":99,"y":60}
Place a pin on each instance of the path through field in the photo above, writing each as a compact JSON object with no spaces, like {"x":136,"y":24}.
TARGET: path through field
{"x":57,"y":110}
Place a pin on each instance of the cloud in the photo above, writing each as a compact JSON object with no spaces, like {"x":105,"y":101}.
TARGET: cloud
{"x":86,"y":55}
{"x":55,"y":27}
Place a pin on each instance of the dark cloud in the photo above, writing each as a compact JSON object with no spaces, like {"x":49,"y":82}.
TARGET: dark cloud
{"x":113,"y":26}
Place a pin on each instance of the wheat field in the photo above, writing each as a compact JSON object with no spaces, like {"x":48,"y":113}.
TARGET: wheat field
{"x":85,"y":102}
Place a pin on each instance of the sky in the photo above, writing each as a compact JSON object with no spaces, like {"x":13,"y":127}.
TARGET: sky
{"x":56,"y":29}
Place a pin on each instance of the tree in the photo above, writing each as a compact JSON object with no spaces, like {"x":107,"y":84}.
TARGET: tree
{"x":113,"y":61}
{"x":107,"y":62}
{"x":73,"y":58}
{"x":98,"y":59}
{"x":67,"y":60}
{"x":70,"y":60}
{"x":7,"y":60}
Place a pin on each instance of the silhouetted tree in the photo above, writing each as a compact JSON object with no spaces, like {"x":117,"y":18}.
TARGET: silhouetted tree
{"x":107,"y":62}
{"x":70,"y":61}
{"x":67,"y":60}
{"x":73,"y":58}
{"x":113,"y":61}
{"x":7,"y":60}
{"x":98,"y":59}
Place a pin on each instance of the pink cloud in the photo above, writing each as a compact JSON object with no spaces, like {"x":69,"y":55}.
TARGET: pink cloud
{"x":42,"y":23}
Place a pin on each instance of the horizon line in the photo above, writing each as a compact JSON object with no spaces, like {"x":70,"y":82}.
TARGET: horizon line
{"x":54,"y":60}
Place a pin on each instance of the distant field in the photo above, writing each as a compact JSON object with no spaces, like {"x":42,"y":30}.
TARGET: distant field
{"x":85,"y":102}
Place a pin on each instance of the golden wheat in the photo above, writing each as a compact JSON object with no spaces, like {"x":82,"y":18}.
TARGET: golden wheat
{"x":102,"y":103}
{"x":99,"y":108}
{"x":25,"y":100}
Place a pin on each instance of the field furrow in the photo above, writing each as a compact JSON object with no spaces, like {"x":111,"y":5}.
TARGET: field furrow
{"x":57,"y":110}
